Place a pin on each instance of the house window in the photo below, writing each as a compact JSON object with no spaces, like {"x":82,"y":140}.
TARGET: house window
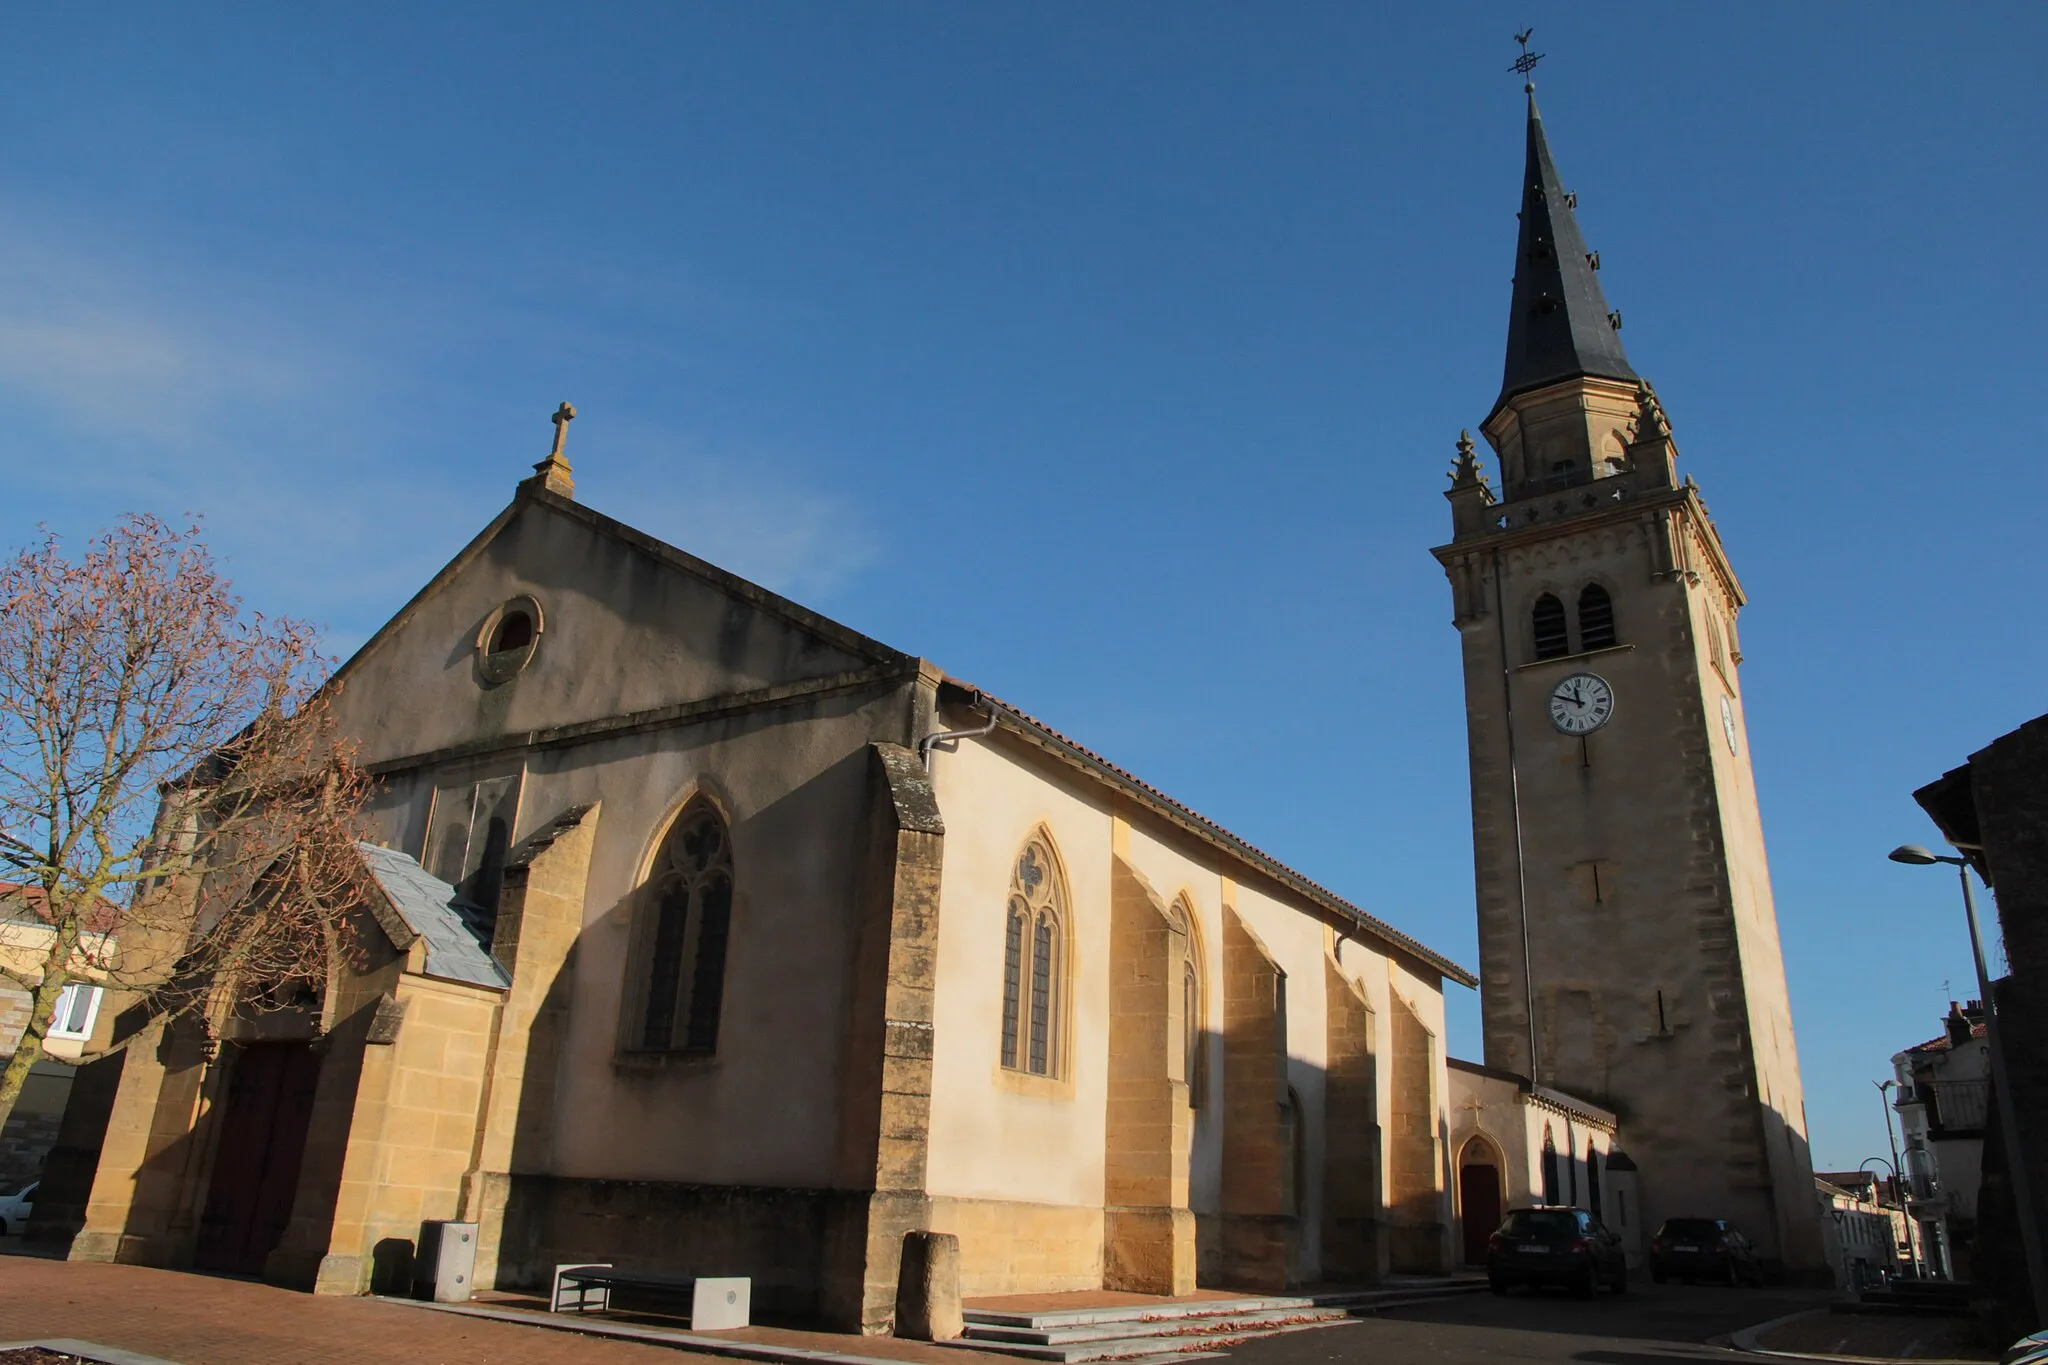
{"x":1034,"y":963}
{"x":1592,"y":1178}
{"x":78,"y":1004}
{"x":1548,"y":618}
{"x":1550,"y":1171}
{"x":690,"y":910}
{"x":1596,"y":618}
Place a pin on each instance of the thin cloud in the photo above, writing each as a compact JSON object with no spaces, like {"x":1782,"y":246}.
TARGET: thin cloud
{"x":750,"y":514}
{"x":102,"y":347}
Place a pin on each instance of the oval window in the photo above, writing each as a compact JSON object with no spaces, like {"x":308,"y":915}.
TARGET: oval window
{"x":507,"y":640}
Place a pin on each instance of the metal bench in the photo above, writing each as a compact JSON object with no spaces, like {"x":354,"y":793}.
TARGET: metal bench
{"x":715,"y":1303}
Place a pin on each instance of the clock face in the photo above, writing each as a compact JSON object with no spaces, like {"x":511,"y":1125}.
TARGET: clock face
{"x":1728,"y":721}
{"x":1581,"y":703}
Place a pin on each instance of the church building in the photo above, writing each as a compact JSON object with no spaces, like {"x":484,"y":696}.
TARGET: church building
{"x":713,"y":936}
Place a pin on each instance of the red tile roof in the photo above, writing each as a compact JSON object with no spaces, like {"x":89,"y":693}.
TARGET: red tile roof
{"x":16,"y":897}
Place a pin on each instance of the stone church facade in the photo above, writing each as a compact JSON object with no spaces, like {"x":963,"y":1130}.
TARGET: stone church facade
{"x":1628,"y":940}
{"x":713,"y":936}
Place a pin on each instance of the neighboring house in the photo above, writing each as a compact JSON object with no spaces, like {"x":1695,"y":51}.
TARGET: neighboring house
{"x":1883,"y":1194}
{"x":1861,"y":1234}
{"x":31,"y":1129}
{"x":1993,"y":810}
{"x":1943,"y":1102}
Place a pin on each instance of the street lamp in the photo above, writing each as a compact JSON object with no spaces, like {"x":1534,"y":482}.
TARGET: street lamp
{"x":1898,"y":1176}
{"x":2030,"y":1235}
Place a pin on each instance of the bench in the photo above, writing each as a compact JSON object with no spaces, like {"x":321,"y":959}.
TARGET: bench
{"x":715,"y":1303}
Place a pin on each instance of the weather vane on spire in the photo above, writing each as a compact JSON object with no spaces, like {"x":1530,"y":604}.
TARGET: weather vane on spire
{"x":1525,"y":65}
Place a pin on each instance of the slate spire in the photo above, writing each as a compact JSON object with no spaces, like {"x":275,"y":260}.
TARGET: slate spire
{"x":1558,"y":326}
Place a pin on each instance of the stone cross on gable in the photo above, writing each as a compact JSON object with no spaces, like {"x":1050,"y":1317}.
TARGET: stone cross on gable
{"x":552,"y":474}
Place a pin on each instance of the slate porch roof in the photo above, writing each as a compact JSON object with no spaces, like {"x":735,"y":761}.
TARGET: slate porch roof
{"x":456,"y":930}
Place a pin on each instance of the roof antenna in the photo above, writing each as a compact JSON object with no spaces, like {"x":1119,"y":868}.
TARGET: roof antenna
{"x":1525,"y":65}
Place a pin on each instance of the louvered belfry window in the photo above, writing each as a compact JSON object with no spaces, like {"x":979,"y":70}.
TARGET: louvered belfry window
{"x":692,"y":909}
{"x":1552,"y":639}
{"x":1034,"y":967}
{"x":1596,"y":618}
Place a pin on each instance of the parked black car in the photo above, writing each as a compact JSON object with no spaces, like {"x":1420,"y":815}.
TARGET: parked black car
{"x":1703,"y":1249}
{"x":1550,"y":1244}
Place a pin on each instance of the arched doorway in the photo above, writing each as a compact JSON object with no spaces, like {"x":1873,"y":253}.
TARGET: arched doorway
{"x":1480,"y":1196}
{"x":256,"y":1164}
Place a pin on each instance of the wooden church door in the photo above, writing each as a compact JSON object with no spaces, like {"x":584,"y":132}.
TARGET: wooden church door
{"x":256,"y":1164}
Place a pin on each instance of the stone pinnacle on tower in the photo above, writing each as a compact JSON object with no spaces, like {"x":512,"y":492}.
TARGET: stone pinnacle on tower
{"x":1559,"y":326}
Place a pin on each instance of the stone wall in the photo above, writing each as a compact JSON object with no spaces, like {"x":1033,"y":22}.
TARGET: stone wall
{"x":774,"y":1236}
{"x":1149,"y":1231}
{"x":31,"y":1129}
{"x":1261,"y":1243}
{"x":1414,"y":1172}
{"x":413,"y":1134}
{"x":1354,"y":1242}
{"x":1008,"y":1246}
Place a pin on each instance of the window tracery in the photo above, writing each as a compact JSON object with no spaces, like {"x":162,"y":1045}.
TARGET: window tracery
{"x":692,"y":890}
{"x":1034,"y":946}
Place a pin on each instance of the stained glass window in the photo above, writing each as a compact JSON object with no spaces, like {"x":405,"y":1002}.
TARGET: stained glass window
{"x":1013,"y":978}
{"x":692,"y":921}
{"x":1033,"y":963}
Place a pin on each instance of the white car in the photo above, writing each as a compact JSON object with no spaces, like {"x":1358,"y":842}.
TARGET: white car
{"x":16,"y":1202}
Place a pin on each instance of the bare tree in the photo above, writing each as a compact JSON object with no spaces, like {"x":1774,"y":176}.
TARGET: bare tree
{"x":177,"y":813}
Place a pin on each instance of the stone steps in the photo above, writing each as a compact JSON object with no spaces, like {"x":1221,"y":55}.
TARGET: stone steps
{"x":1179,"y":1332}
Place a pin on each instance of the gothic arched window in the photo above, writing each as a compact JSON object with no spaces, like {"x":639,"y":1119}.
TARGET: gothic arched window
{"x":1551,"y":1175}
{"x":1548,"y":617}
{"x":691,"y":913}
{"x":1034,"y":962}
{"x":1195,"y":1055}
{"x":1596,"y":618}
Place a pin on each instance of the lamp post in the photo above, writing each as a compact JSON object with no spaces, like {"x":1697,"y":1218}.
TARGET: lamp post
{"x":1898,"y":1174}
{"x":1912,"y":1247}
{"x":2008,"y":1115}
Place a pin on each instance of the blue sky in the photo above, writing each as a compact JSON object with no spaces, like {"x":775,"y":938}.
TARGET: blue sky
{"x":1109,"y":355}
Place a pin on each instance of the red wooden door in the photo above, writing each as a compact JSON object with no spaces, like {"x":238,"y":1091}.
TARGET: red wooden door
{"x":1478,"y":1208}
{"x":256,"y":1164}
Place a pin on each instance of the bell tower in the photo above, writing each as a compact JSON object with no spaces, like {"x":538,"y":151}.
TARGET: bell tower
{"x":1627,"y":939}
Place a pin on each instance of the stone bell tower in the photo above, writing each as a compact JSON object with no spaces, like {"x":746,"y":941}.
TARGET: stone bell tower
{"x":1627,"y":939}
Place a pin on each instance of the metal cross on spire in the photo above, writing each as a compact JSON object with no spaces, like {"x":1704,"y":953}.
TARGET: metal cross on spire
{"x":1525,"y":65}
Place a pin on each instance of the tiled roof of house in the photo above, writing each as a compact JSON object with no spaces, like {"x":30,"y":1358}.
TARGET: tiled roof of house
{"x":21,"y":902}
{"x":1287,"y":876}
{"x":456,"y":930}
